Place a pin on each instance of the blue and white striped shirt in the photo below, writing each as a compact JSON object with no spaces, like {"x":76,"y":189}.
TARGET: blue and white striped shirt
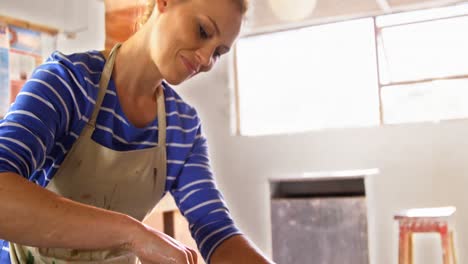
{"x":52,"y":109}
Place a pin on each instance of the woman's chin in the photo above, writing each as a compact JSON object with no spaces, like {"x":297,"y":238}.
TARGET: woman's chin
{"x":173,"y":82}
{"x":177,"y":80}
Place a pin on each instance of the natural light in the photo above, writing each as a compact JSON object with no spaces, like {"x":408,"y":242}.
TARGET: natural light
{"x":326,"y":76}
{"x":307,"y":79}
{"x":426,"y":50}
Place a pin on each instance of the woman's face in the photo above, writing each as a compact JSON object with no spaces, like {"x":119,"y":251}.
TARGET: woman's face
{"x":189,"y":36}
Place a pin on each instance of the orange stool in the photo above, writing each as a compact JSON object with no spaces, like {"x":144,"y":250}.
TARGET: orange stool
{"x":424,"y":220}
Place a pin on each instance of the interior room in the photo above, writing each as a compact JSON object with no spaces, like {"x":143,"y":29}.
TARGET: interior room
{"x":325,"y":123}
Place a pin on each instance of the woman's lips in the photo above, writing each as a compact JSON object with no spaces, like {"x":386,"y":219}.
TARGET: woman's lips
{"x":190,"y":66}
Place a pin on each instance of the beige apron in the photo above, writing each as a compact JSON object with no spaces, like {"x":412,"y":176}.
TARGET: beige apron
{"x":130,"y":182}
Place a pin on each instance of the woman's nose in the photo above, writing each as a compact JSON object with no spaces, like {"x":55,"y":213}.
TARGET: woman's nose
{"x":205,"y":57}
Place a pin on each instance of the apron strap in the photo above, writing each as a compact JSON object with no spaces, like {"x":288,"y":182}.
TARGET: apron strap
{"x":104,"y":83}
{"x":161,"y":154}
{"x":161,"y":117}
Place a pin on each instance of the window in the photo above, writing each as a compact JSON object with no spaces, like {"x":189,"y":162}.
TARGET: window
{"x":306,"y":79}
{"x":330,"y":76}
{"x":424,"y":65}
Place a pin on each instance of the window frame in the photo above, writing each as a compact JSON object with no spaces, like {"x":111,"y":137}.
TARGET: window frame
{"x":378,"y":41}
{"x":381,"y":86}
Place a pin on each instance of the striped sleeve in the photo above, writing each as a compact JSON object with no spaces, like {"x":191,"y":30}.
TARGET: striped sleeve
{"x":200,"y":201}
{"x":42,"y":112}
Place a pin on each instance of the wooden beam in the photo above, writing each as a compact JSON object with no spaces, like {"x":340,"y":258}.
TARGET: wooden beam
{"x":422,"y":21}
{"x":446,"y":78}
{"x":169,"y":223}
{"x":28,"y":25}
{"x":236,"y":94}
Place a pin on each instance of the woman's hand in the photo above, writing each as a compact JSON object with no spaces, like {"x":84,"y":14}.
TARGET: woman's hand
{"x":154,"y":247}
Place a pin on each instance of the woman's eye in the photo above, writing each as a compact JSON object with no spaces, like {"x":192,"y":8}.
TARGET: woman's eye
{"x":203,"y":33}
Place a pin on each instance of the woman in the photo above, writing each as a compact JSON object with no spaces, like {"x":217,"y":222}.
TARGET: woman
{"x":81,"y":162}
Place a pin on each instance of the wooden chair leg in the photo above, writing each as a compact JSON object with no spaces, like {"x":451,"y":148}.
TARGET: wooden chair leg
{"x":445,"y":247}
{"x":410,"y":248}
{"x":452,"y":248}
{"x":404,"y":247}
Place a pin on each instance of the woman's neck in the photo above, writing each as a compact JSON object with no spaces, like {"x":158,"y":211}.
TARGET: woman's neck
{"x":135,"y":73}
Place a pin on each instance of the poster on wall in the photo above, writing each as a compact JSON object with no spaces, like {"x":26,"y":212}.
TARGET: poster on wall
{"x":4,"y":43}
{"x":21,"y":67}
{"x":21,"y":51}
{"x":25,"y":40}
{"x":25,"y":56}
{"x":4,"y":70}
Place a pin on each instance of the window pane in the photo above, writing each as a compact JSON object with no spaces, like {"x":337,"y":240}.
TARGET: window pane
{"x":432,"y":101}
{"x":306,"y":79}
{"x":420,"y":15}
{"x":426,"y":50}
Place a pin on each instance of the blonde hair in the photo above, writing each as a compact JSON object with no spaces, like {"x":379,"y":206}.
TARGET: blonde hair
{"x":150,"y":4}
{"x":144,"y":12}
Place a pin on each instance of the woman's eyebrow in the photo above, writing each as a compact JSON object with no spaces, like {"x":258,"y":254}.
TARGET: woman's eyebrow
{"x":227,"y":49}
{"x":215,"y":25}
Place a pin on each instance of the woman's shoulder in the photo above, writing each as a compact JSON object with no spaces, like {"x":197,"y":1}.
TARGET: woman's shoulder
{"x":80,"y":70}
{"x":73,"y":79}
{"x":87,"y":64}
{"x":90,"y":57}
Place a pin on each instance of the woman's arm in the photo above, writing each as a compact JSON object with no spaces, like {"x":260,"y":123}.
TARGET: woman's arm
{"x":198,"y":198}
{"x":238,"y":249}
{"x":201,"y":202}
{"x":34,"y":216}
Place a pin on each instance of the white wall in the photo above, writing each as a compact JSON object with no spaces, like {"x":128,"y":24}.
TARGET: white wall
{"x":88,"y":19}
{"x":83,"y":16}
{"x":421,"y":165}
{"x":47,"y":12}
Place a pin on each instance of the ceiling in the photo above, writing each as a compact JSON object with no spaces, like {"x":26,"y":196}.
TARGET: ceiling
{"x":271,"y":15}
{"x":263,"y":15}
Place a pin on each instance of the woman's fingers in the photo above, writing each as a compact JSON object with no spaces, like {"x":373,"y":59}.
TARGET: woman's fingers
{"x":152,"y":246}
{"x":193,"y":254}
{"x":190,"y":256}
